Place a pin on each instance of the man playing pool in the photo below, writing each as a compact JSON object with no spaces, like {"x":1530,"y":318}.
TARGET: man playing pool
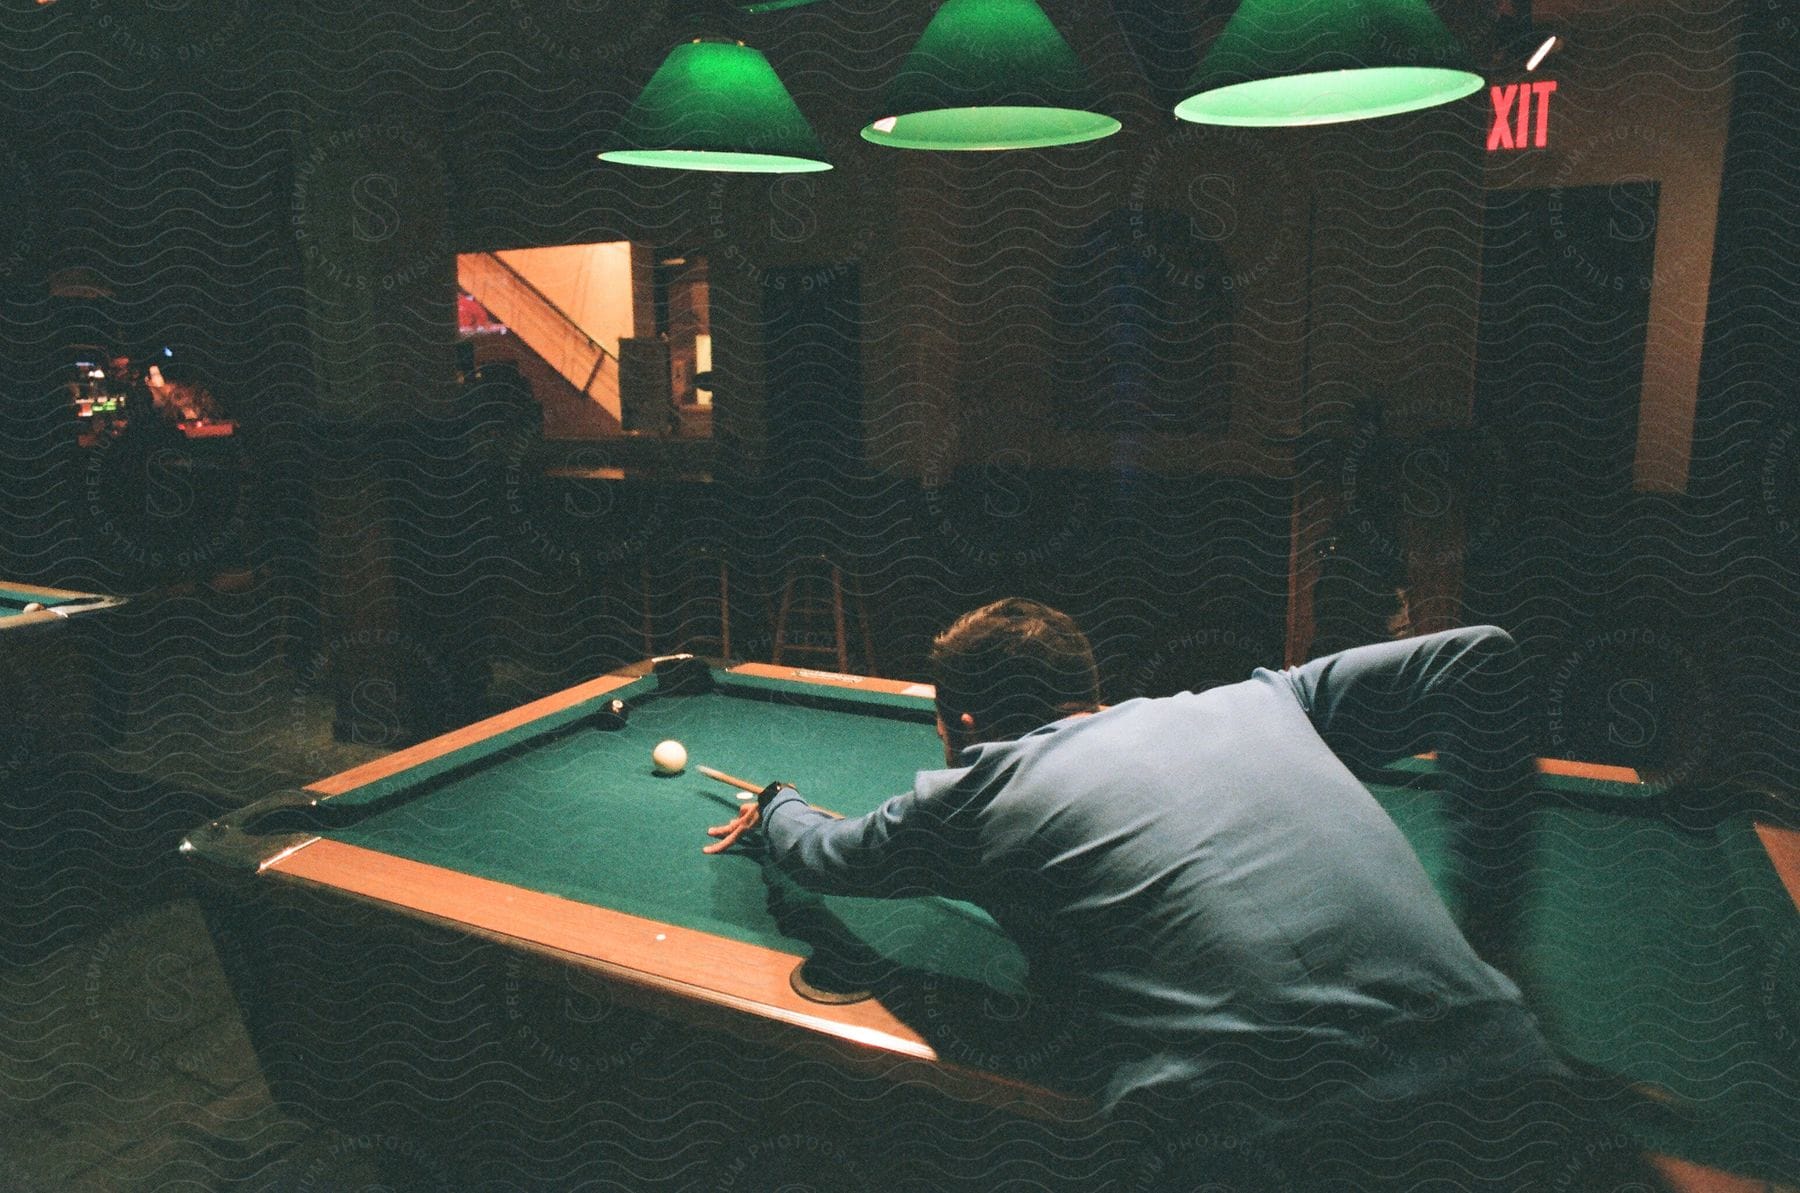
{"x":1266,"y":978}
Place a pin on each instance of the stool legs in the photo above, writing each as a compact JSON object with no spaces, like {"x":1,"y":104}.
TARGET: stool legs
{"x":724,"y":609}
{"x":779,"y":646}
{"x":799,"y":580}
{"x":646,"y":596}
{"x":681,"y":583}
{"x":837,"y":618}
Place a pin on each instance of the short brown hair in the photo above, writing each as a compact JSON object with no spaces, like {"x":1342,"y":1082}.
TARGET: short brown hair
{"x":1013,"y":665}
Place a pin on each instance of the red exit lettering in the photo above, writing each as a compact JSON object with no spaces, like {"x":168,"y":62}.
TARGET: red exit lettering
{"x":1513,"y":103}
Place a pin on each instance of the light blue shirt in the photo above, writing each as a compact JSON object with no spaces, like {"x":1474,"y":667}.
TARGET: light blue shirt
{"x":1241,"y":930}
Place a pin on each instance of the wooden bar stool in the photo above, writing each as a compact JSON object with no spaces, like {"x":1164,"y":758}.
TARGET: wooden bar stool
{"x":812,"y":596}
{"x":680,"y":594}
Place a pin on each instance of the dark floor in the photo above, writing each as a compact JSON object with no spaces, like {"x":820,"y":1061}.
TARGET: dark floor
{"x":123,"y":1063}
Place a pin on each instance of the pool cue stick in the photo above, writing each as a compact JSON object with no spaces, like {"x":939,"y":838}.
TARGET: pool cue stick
{"x":754,"y":788}
{"x":732,"y":780}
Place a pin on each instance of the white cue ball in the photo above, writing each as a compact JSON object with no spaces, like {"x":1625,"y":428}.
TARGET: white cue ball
{"x":670,"y":757}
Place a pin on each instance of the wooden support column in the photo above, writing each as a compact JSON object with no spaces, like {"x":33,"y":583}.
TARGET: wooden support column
{"x":371,"y":221}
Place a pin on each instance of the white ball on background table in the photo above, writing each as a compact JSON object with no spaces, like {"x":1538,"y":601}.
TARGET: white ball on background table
{"x":670,"y":757}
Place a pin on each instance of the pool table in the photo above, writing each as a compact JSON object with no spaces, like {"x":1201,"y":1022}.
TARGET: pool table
{"x":58,"y":688}
{"x":26,"y":605}
{"x":514,"y":924}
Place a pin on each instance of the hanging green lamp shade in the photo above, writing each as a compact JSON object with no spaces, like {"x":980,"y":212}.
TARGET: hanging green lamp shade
{"x":718,"y":105}
{"x":989,"y":74}
{"x":1295,"y":62}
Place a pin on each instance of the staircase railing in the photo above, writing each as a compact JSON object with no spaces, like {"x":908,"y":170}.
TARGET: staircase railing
{"x":542,"y":324}
{"x":603,"y":354}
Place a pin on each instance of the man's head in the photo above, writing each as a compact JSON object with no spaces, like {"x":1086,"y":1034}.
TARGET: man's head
{"x":1008,"y":668}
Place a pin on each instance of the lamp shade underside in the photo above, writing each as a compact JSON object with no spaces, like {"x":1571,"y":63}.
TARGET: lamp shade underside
{"x":716,"y":161}
{"x":999,"y":127}
{"x":1329,"y":97}
{"x":718,"y":106}
{"x":989,"y":74}
{"x":1298,"y":62}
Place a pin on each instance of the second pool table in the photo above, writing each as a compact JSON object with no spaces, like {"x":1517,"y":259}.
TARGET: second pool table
{"x":60,"y":694}
{"x":515,"y":923}
{"x":23,"y":606}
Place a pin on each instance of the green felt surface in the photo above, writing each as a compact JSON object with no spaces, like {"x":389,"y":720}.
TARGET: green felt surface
{"x":13,"y":602}
{"x":581,"y":813}
{"x":1564,"y":785}
{"x":1661,"y":955}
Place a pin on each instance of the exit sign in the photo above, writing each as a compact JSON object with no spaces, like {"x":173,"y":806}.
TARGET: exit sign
{"x":1521,"y":115}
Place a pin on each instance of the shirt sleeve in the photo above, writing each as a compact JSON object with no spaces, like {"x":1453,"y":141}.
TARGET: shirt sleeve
{"x":908,"y":847}
{"x":1466,"y":694}
{"x":1462,"y":692}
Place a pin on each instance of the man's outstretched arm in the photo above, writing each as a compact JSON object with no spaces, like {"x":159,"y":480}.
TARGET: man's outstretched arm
{"x":1464,"y":693}
{"x":902,"y":849}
